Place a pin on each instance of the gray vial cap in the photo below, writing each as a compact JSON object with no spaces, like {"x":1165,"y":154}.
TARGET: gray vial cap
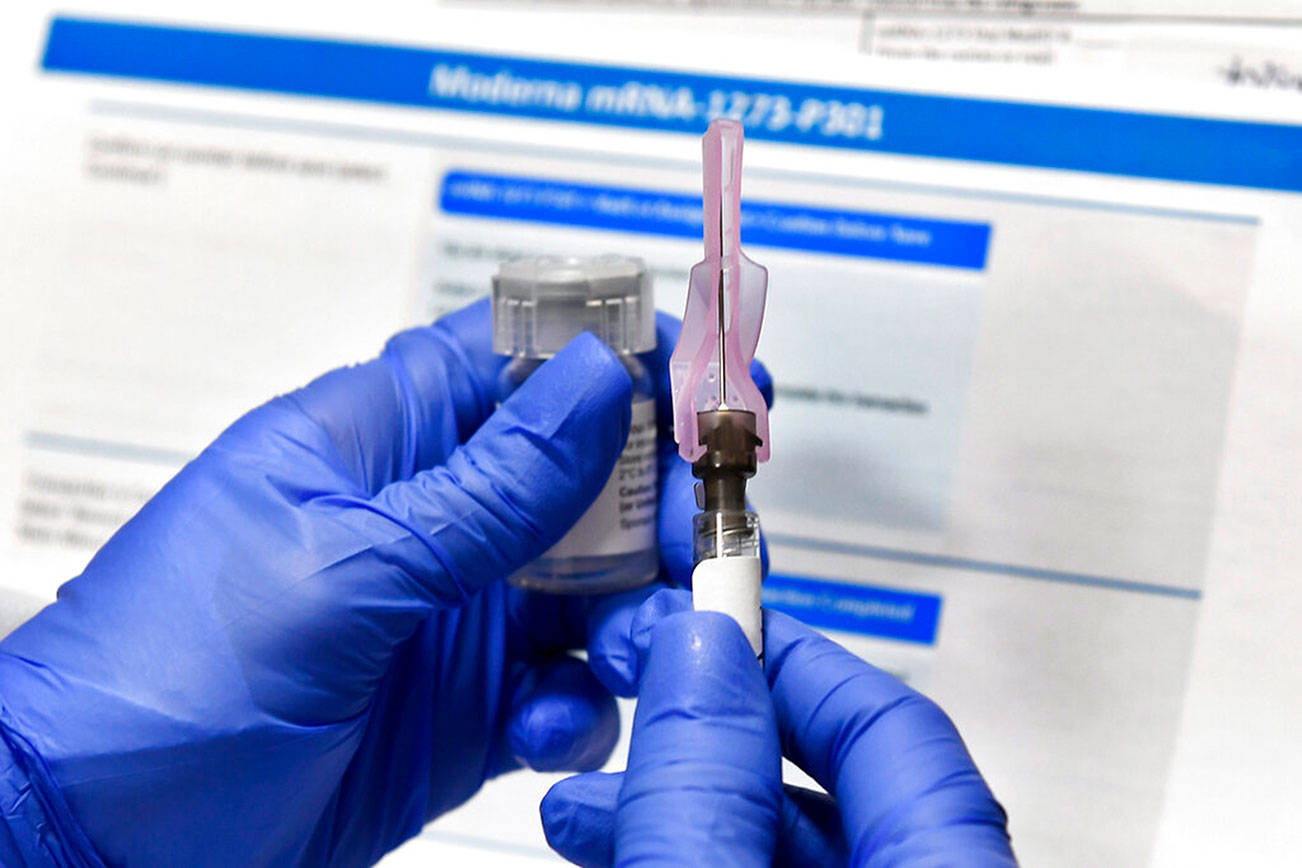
{"x":541,"y":303}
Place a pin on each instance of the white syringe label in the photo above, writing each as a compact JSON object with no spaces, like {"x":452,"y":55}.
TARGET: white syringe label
{"x":623,"y":517}
{"x":732,"y":586}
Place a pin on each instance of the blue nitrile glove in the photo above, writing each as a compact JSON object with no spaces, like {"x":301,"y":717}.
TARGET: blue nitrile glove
{"x":704,"y":778}
{"x":904,"y":790}
{"x":300,"y":650}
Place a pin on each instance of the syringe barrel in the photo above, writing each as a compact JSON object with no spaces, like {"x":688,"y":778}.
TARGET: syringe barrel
{"x":729,"y":573}
{"x":730,"y":534}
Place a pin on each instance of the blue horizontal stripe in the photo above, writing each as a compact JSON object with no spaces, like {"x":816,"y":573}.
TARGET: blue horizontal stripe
{"x":771,"y":224}
{"x":854,"y":608}
{"x":979,"y":566}
{"x":1166,"y":147}
{"x":52,"y":441}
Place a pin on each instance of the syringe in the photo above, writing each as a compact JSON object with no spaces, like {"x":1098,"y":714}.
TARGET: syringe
{"x":720,"y":418}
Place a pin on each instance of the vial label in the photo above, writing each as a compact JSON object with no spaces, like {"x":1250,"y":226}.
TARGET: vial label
{"x":623,"y":517}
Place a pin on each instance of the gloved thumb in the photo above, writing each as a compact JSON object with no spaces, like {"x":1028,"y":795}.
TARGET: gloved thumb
{"x":363,"y":572}
{"x":514,"y":488}
{"x":579,"y":815}
{"x":703,"y":784}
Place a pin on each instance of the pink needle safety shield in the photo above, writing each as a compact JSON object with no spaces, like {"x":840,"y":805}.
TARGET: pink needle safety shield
{"x":710,"y":365}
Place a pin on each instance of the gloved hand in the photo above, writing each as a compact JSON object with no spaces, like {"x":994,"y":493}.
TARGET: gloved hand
{"x":702,"y":779}
{"x":300,"y":650}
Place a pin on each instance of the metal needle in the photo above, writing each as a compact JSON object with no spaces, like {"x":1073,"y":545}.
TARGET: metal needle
{"x":723,"y":370}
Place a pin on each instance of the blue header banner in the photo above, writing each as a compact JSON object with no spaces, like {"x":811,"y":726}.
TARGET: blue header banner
{"x":1165,"y":147}
{"x":870,"y":611}
{"x":677,"y":215}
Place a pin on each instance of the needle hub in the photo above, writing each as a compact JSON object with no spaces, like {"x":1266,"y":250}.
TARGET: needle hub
{"x":730,"y":442}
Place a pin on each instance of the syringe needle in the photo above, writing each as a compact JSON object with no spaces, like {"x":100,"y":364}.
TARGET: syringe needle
{"x":723,"y":369}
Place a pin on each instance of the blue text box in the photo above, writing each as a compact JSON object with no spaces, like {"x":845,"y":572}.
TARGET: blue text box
{"x":903,"y":615}
{"x":676,"y":215}
{"x":1060,"y":137}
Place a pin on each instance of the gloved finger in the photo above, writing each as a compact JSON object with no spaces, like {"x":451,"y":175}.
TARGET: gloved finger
{"x":562,"y":719}
{"x":674,"y":521}
{"x":541,"y":625}
{"x":510,"y":492}
{"x":450,"y":362}
{"x":905,"y":785}
{"x":578,"y":816}
{"x":611,"y":655}
{"x":703,"y":783}
{"x":429,"y":390}
{"x":811,"y":831}
{"x":763,"y":381}
{"x":618,"y":642}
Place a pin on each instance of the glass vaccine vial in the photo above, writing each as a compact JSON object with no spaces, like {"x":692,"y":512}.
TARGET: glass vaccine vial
{"x":539,"y":305}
